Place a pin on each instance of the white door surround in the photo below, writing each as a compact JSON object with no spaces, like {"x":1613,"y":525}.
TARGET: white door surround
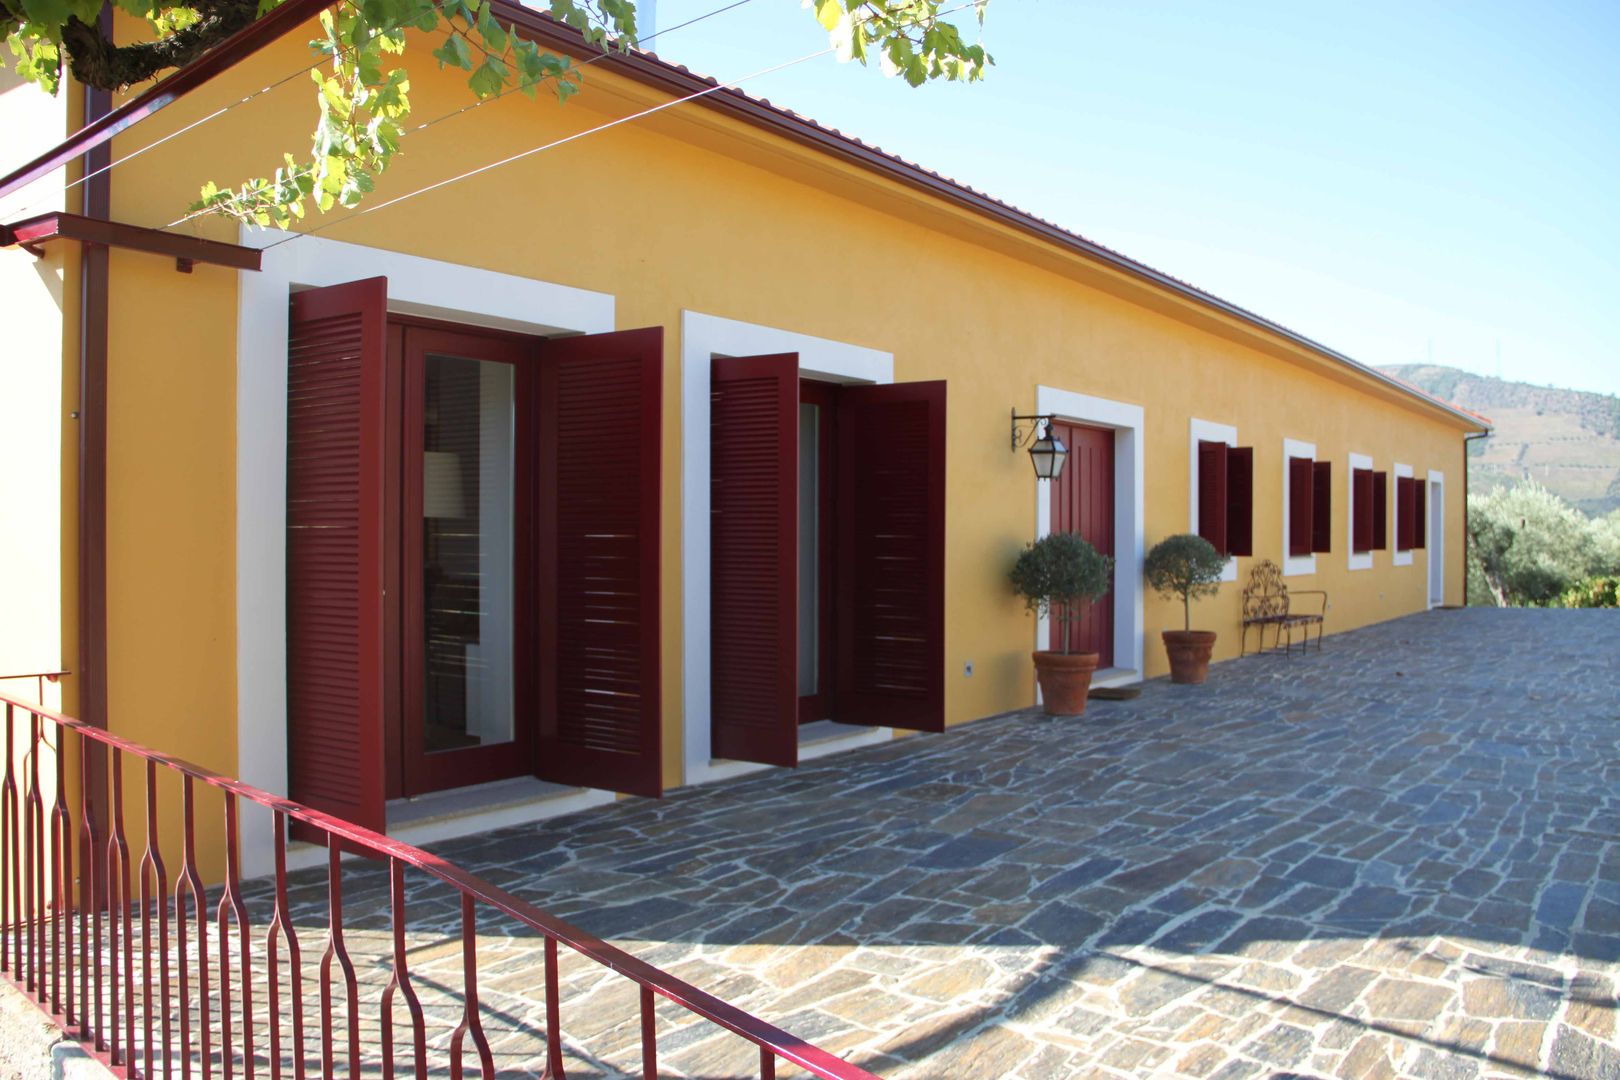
{"x":416,"y":286}
{"x":1436,"y":538}
{"x":704,"y":337}
{"x":1127,"y":422}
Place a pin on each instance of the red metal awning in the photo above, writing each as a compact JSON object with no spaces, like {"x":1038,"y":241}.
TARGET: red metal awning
{"x":186,"y":250}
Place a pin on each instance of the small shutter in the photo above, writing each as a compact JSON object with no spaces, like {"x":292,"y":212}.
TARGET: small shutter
{"x":891,"y":556}
{"x":1361,"y":495}
{"x":1420,"y":512}
{"x":1403,"y":513}
{"x":1240,"y":500}
{"x":1380,"y":511}
{"x":753,"y":549}
{"x":335,"y":350}
{"x":1321,"y":506}
{"x":1300,"y":514}
{"x":600,"y":431}
{"x":1212,"y":493}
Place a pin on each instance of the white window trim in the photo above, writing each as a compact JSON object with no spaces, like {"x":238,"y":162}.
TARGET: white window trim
{"x":1294,"y":565}
{"x":1128,"y":423}
{"x":704,"y":337}
{"x":1362,"y":560}
{"x":1206,"y":431}
{"x":1399,"y":557}
{"x":417,"y":286}
{"x":1434,"y":538}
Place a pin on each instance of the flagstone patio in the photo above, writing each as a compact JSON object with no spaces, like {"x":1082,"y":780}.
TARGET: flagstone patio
{"x":1400,"y":857}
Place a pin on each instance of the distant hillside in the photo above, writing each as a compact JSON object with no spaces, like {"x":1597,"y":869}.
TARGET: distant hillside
{"x":1567,"y":440}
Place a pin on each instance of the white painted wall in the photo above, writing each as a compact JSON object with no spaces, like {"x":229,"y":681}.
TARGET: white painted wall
{"x":32,"y":413}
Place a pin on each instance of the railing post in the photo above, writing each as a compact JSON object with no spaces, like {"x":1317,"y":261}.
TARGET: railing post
{"x":119,"y":925}
{"x":189,"y":883}
{"x":470,"y":1021}
{"x":400,"y":980}
{"x":281,"y":923}
{"x":337,"y":950}
{"x":10,"y":871}
{"x":62,"y":888}
{"x":554,"y":1054}
{"x":231,"y":904}
{"x":154,"y":885}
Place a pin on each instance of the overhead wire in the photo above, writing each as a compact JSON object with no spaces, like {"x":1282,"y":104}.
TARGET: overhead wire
{"x":304,"y":70}
{"x":488,"y":166}
{"x":533,"y":150}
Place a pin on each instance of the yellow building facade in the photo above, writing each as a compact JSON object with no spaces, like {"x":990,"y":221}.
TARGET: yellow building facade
{"x":738,"y":232}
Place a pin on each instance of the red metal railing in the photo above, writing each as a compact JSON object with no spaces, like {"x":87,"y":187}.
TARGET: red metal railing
{"x":80,"y":961}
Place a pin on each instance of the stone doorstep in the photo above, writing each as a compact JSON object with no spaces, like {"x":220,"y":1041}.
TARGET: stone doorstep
{"x":34,"y":1048}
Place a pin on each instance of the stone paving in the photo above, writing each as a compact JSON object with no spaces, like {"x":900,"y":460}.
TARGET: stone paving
{"x":1400,"y":857}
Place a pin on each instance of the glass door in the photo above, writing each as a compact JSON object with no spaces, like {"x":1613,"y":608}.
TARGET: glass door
{"x":461,"y":527}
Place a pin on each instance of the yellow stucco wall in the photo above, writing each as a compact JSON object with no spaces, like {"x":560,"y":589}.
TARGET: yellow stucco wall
{"x":691,"y":211}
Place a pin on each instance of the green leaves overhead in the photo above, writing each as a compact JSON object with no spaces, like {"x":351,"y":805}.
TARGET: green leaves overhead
{"x":363,"y":99}
{"x":911,"y":38}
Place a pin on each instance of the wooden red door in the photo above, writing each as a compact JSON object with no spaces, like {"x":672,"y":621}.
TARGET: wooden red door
{"x":1083,"y":502}
{"x":890,"y":637}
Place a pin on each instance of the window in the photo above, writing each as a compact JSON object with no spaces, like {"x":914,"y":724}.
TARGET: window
{"x":1369,"y":505}
{"x":1310,"y":489}
{"x":1307,"y":510}
{"x":1411,"y":514}
{"x":1223,"y":495}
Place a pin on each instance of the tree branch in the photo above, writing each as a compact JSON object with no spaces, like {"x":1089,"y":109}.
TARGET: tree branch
{"x":98,"y":62}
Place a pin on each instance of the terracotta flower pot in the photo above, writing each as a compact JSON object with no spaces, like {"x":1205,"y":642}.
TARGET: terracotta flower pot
{"x":1065,"y":680}
{"x":1189,"y":654}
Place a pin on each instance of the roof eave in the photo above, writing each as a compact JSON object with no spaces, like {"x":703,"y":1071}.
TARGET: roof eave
{"x":649,"y":70}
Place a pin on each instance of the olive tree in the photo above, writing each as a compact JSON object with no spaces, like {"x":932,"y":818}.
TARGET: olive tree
{"x":1058,"y":575}
{"x":1530,"y":544}
{"x":362,"y":84}
{"x":1185,"y":567}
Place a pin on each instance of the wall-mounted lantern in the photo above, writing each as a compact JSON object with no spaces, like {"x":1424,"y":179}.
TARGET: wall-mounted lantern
{"x":1046,"y":451}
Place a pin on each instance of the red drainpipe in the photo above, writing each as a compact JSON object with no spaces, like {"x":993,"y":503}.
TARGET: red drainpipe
{"x":96,"y":202}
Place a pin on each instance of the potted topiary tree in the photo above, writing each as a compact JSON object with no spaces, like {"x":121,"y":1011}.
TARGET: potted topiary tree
{"x":1187,"y":567}
{"x":1058,"y":576}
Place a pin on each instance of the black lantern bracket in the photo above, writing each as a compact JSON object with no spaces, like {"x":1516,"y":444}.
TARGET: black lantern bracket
{"x":1026,"y":428}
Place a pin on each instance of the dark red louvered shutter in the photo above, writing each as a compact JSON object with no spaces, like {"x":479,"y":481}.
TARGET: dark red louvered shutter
{"x":753,"y":558}
{"x":891,"y":556}
{"x":1300,"y":514}
{"x":1321,"y":506}
{"x":1361,"y":499}
{"x":1403,"y":513}
{"x":1420,"y":512}
{"x":600,"y":430}
{"x":1240,"y":500}
{"x":335,"y":352}
{"x":1380,"y":511}
{"x":1212,"y":493}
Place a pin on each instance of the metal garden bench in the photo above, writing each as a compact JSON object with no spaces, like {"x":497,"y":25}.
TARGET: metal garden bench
{"x":1267,"y":601}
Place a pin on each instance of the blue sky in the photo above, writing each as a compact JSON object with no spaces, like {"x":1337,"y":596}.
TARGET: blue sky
{"x":1399,"y":181}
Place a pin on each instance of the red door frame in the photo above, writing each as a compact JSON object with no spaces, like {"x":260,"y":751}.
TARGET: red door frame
{"x":411,"y":770}
{"x":1091,"y":467}
{"x":822,"y":704}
